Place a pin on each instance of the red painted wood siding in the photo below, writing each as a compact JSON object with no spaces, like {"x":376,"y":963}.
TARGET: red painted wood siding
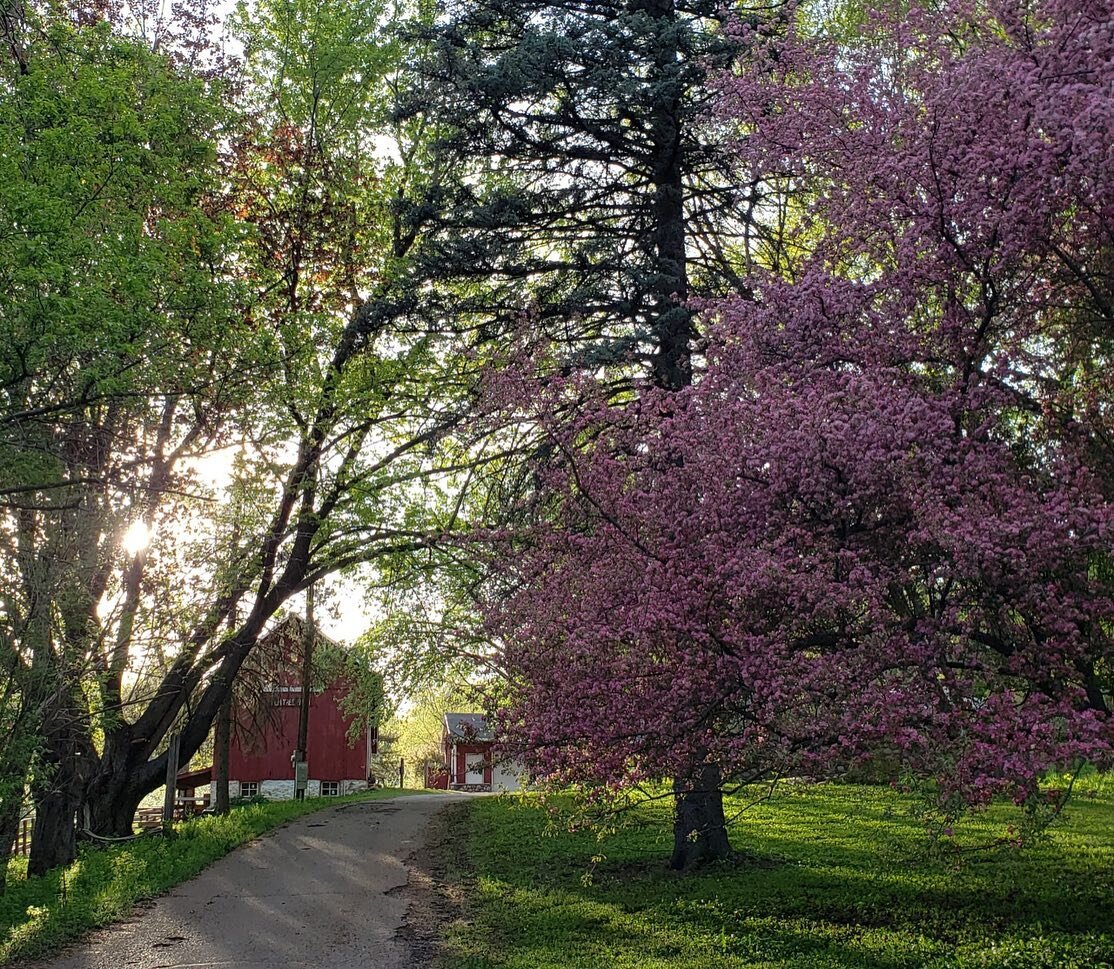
{"x":461,"y":764}
{"x":331,"y":757}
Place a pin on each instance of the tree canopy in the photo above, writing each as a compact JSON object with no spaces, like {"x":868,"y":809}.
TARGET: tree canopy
{"x":877,"y":525}
{"x":722,"y":389}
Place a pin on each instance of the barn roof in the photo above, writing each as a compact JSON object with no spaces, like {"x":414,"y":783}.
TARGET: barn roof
{"x":468,"y":726}
{"x":293,"y":627}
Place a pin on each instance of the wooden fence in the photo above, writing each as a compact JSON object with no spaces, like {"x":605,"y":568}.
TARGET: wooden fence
{"x":148,"y":818}
{"x":22,"y":843}
{"x":145,"y":820}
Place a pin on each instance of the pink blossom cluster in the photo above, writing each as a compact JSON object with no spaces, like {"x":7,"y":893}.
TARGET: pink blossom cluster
{"x":877,"y":523}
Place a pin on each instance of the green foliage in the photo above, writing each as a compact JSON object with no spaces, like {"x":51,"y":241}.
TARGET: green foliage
{"x":426,"y":641}
{"x":829,"y":876}
{"x":320,"y":64}
{"x":120,"y":359}
{"x":364,"y":702}
{"x":419,"y":729}
{"x":318,"y":171}
{"x":190,"y":267}
{"x":37,"y":915}
{"x":109,"y":256}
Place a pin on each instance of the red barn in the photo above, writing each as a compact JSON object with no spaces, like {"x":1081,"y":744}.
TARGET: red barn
{"x":260,"y":759}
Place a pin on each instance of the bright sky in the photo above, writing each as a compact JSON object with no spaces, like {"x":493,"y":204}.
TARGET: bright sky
{"x":342,"y":611}
{"x":344,"y":614}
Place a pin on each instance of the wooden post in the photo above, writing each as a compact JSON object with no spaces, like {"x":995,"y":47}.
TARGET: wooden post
{"x":222,"y":733}
{"x":171,"y":781}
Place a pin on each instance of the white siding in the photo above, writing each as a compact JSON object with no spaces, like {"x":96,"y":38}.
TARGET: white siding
{"x":507,"y":776}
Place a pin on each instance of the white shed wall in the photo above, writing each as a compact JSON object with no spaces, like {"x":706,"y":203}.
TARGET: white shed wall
{"x":507,"y":776}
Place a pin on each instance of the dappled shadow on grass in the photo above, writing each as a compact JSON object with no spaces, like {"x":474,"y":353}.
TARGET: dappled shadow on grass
{"x":541,"y":928}
{"x":653,"y":869}
{"x":830,"y":876}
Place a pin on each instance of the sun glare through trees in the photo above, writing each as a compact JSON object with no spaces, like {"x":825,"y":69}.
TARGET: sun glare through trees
{"x":692,"y":398}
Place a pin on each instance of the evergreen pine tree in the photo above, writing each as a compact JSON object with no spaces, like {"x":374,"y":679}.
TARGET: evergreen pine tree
{"x":592,"y":200}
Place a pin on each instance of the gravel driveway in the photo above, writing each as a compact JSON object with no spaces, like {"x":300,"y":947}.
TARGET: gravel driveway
{"x":325,"y":890}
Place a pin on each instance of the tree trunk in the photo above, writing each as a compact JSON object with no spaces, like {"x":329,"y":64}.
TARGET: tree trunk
{"x":113,"y":792}
{"x":68,"y":759}
{"x":124,"y":774}
{"x":54,"y":833}
{"x":9,"y":830}
{"x":699,"y":826}
{"x":112,"y":809}
{"x":222,"y":742}
{"x":672,"y":323}
{"x":699,"y":829}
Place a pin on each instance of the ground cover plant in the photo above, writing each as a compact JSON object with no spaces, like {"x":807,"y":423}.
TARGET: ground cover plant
{"x":38,"y":914}
{"x":829,"y":876}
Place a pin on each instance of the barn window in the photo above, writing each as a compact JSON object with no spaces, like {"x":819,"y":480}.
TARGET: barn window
{"x":330,"y":788}
{"x":249,"y":788}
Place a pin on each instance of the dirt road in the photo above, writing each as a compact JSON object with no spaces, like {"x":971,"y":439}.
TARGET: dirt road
{"x":325,"y":890}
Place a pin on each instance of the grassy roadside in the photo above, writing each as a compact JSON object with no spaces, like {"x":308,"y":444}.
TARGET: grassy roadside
{"x":831,"y":876}
{"x":37,"y":915}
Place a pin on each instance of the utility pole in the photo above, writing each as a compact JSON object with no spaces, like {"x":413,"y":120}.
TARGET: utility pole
{"x":222,"y":740}
{"x":222,"y":733}
{"x":301,"y":766}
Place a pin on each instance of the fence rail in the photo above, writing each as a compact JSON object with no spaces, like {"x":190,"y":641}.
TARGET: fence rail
{"x":22,"y":843}
{"x":145,"y":820}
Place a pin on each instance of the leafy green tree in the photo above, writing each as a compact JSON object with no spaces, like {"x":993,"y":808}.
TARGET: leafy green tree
{"x":413,"y":735}
{"x":119,"y":361}
{"x":358,"y":419}
{"x":190,"y":279}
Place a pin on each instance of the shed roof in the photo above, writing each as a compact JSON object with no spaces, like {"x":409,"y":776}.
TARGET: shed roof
{"x":187,"y":780}
{"x":468,"y":726}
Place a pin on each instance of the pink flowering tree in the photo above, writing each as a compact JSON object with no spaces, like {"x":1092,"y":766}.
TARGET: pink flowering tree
{"x":878,"y":523}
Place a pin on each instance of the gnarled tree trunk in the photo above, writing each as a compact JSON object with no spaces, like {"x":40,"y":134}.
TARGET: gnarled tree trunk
{"x":68,"y":759}
{"x":54,"y":834}
{"x":111,"y":804}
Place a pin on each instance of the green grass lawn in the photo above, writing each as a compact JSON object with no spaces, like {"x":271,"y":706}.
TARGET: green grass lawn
{"x":834,"y":876}
{"x":37,"y":915}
